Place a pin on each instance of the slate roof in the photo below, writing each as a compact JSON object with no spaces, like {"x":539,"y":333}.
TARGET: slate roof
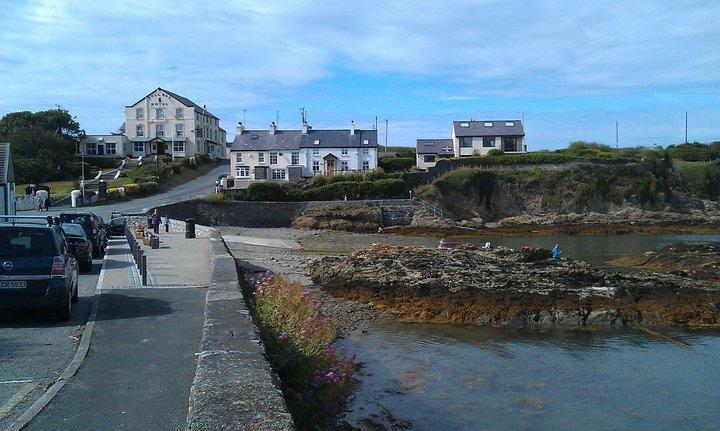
{"x":435,"y":146}
{"x":184,"y":100}
{"x":262,"y":140}
{"x":6,"y":168}
{"x":477,"y":128}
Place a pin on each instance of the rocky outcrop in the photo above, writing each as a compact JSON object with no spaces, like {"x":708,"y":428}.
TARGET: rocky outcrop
{"x":351,"y":219}
{"x":696,"y":261}
{"x":512,"y":287}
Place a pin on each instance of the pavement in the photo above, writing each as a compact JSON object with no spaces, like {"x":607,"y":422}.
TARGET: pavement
{"x":143,"y":349}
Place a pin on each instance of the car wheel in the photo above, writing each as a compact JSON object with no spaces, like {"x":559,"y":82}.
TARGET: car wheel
{"x":76,"y":292}
{"x":63,"y":310}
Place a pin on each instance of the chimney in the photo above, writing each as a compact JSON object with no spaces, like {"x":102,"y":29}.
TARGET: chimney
{"x":305,"y":128}
{"x":205,"y":107}
{"x":273,"y":128}
{"x":239,"y":128}
{"x":352,"y":128}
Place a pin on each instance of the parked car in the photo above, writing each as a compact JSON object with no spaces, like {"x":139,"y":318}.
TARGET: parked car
{"x":80,"y":245}
{"x":218,"y":181}
{"x":37,"y":268}
{"x":116,"y":227}
{"x":93,"y":226}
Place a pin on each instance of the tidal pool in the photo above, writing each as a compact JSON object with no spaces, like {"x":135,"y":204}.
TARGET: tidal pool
{"x":441,"y":377}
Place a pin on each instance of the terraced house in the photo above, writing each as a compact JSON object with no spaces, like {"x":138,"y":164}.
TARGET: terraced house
{"x":162,"y":123}
{"x":470,"y":138}
{"x":287,"y":155}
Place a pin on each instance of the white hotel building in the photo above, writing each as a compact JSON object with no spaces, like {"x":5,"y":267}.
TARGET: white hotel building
{"x":286,"y":155}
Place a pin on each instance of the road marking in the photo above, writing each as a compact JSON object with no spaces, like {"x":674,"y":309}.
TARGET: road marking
{"x":10,"y":382}
{"x":18,"y":397}
{"x":29,"y":414}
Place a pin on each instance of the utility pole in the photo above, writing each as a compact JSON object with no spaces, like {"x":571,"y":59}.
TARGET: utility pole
{"x":82,"y":169}
{"x":277,"y":117}
{"x":386,"y":134}
{"x":686,"y":127}
{"x":244,"y":110}
{"x":302,"y":115}
{"x":617,"y":145}
{"x":375,"y":122}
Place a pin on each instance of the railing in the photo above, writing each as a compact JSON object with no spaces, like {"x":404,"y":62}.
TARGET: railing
{"x":138,"y":255}
{"x":339,"y":172}
{"x":427,"y":206}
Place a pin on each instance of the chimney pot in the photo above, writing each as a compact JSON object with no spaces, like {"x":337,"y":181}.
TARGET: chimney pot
{"x":352,"y":128}
{"x":240,"y":128}
{"x":273,"y":128}
{"x":305,"y":128}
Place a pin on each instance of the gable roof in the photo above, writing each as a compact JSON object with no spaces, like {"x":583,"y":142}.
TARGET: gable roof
{"x":498,"y":128}
{"x":182,"y":99}
{"x":262,"y":140}
{"x":6,"y":167}
{"x":435,"y":146}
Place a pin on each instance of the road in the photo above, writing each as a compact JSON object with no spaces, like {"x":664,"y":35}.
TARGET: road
{"x":33,"y":349}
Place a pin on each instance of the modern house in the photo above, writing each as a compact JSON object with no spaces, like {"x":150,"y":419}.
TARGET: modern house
{"x":7,"y":181}
{"x":287,"y":155}
{"x":162,"y":123}
{"x":429,"y":151}
{"x":479,"y":137}
{"x":473,"y":138}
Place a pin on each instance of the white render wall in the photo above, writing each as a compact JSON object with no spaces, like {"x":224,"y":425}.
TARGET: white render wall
{"x":477,"y":146}
{"x":422,"y":164}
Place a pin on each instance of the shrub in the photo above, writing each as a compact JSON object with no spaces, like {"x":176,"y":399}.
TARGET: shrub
{"x":132,"y":189}
{"x":152,"y":179}
{"x":113,"y":193}
{"x":123,"y":175}
{"x":266,"y":192}
{"x":496,"y":152}
{"x":149,"y":187}
{"x":389,"y":188}
{"x":695,"y":152}
{"x":299,"y":340}
{"x":396,"y":164}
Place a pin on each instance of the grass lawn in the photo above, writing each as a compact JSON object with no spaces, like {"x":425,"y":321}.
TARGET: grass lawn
{"x":58,"y":189}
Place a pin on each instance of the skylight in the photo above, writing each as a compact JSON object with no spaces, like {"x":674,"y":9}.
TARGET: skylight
{"x":366,"y":142}
{"x":317,"y":142}
{"x":430,"y":144}
{"x":488,"y":124}
{"x":509,"y":124}
{"x":464,"y":124}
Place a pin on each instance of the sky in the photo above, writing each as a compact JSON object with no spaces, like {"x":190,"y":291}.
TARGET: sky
{"x":570,"y":69}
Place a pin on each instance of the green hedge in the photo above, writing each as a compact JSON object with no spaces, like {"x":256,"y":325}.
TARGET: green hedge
{"x":278,"y":192}
{"x":695,"y":152}
{"x":396,"y":164}
{"x":539,"y":158}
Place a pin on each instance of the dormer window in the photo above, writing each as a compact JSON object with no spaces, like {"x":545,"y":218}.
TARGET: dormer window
{"x":509,"y":124}
{"x":317,"y":142}
{"x":464,"y":124}
{"x":487,"y":124}
{"x":366,"y":142}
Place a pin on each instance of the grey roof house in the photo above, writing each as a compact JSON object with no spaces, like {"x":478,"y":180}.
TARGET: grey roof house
{"x":7,"y":181}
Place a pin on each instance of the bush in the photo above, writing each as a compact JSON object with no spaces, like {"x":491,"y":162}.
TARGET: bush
{"x":149,"y":187}
{"x":266,"y":192}
{"x":495,"y":152}
{"x":101,"y":162}
{"x":152,"y":179}
{"x":396,"y":164}
{"x":695,"y":152}
{"x":389,"y":188}
{"x":113,"y":193}
{"x":132,"y":189}
{"x":299,"y":339}
{"x":537,"y":158}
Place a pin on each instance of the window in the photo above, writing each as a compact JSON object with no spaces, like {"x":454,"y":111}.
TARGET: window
{"x":160,"y":113}
{"x":466,"y":142}
{"x":315,"y":152}
{"x":159,"y":130}
{"x":273,"y":158}
{"x":464,"y":124}
{"x":295,"y":158}
{"x":110,"y":148}
{"x":261,"y":157}
{"x":429,"y":144}
{"x":139,"y":130}
{"x":366,"y":142}
{"x":344,"y":165}
{"x":487,"y":124}
{"x":242,"y":172}
{"x":317,"y":142}
{"x":509,"y":144}
{"x":179,"y":147}
{"x":180,"y":130}
{"x":91,"y":148}
{"x":429,"y":158}
{"x":366,"y":165}
{"x":343,"y":151}
{"x":139,"y":113}
{"x":138,"y":147}
{"x":489,"y":141}
{"x":366,"y":151}
{"x":278,"y":174}
{"x":238,"y":158}
{"x":316,"y":166}
{"x":178,"y":112}
{"x":197,"y":116}
{"x":509,"y":124}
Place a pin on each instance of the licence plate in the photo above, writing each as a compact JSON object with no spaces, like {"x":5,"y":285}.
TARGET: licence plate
{"x":13,"y":284}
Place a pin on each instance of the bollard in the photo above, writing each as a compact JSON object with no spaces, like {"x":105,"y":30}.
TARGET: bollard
{"x":143,"y":259}
{"x":190,"y":228}
{"x":139,"y":261}
{"x":155,"y":242}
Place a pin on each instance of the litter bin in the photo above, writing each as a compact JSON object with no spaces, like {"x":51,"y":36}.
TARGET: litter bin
{"x":190,"y":228}
{"x":155,"y":242}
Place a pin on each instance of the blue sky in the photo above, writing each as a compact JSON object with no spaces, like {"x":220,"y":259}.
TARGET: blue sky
{"x":571,"y":68}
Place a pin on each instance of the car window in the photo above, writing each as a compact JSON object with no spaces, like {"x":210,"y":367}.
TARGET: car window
{"x":21,"y":242}
{"x":73,"y":229}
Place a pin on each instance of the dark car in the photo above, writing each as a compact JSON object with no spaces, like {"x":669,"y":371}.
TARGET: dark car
{"x":218,"y":180}
{"x":80,"y":245}
{"x":37,"y":268}
{"x":116,"y":227}
{"x":93,"y":227}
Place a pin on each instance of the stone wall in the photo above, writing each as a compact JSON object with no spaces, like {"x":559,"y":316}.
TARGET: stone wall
{"x":272,"y":214}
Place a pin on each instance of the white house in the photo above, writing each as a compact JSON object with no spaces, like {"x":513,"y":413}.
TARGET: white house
{"x":7,"y":181}
{"x":162,"y":123}
{"x":286,"y":155}
{"x":471,"y":138}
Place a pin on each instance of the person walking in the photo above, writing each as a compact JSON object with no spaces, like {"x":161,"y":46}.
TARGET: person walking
{"x":556,"y":252}
{"x":47,"y":204}
{"x":39,"y":200}
{"x":166,"y":222}
{"x":155,"y":218}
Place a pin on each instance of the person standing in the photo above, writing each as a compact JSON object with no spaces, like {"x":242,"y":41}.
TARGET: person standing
{"x":47,"y":204}
{"x":39,"y":200}
{"x":166,"y":222}
{"x":155,"y":218}
{"x":556,"y":252}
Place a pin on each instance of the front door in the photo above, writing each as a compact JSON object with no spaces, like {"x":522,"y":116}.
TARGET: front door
{"x":101,"y":149}
{"x":160,"y":148}
{"x":330,"y":166}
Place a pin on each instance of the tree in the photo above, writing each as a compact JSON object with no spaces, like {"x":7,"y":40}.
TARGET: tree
{"x":43,"y":144}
